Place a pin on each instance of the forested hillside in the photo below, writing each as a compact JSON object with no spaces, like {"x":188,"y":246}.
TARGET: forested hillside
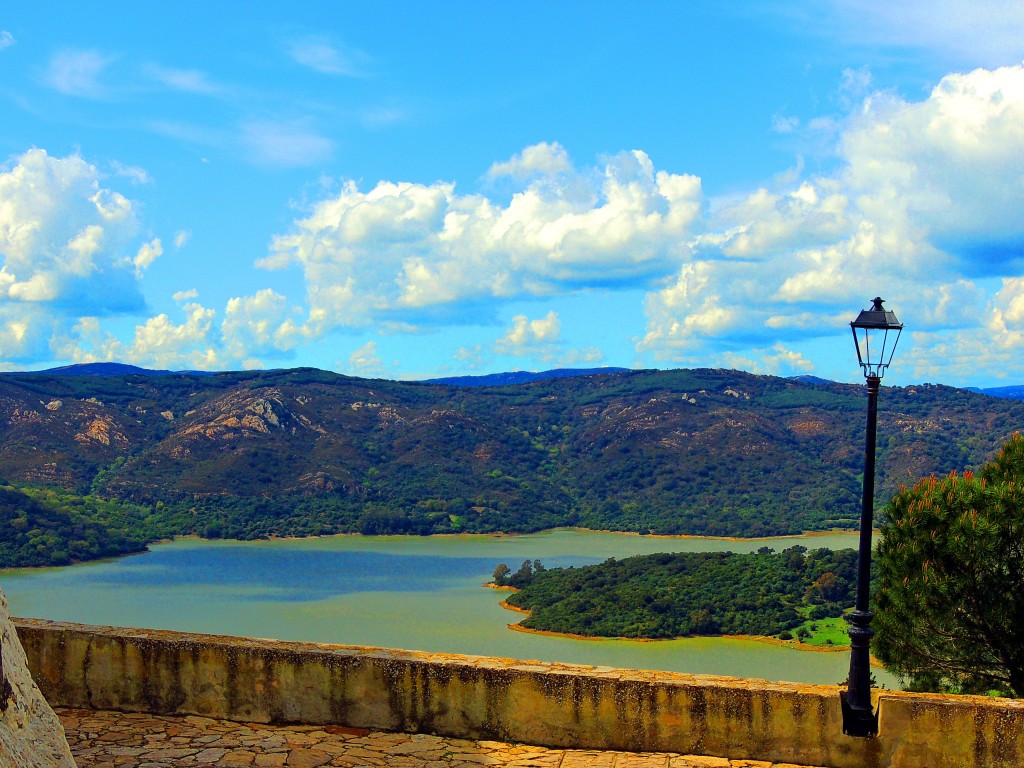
{"x":304,"y":451}
{"x":42,"y":527}
{"x":690,"y":593}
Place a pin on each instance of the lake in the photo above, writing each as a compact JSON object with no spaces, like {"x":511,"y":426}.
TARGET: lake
{"x":419,"y":593}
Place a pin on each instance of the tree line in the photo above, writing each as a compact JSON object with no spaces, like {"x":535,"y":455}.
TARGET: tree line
{"x":690,"y":593}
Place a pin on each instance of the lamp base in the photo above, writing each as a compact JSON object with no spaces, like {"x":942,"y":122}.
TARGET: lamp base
{"x":861,"y":723}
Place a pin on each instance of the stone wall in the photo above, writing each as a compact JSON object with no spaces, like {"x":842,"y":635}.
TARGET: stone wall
{"x":487,"y":698}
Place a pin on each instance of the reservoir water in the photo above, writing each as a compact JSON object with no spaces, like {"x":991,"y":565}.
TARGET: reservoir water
{"x":419,"y":593}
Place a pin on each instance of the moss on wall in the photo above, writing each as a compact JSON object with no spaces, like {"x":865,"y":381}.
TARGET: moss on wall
{"x":556,"y":705}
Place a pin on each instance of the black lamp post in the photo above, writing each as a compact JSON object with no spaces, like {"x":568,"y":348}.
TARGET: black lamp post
{"x":875,"y":332}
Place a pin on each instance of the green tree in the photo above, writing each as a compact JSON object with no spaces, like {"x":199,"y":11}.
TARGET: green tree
{"x":950,"y":598}
{"x":501,"y":574}
{"x":523,"y":576}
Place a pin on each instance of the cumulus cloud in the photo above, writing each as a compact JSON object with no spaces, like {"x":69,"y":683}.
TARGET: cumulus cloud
{"x":288,"y":145}
{"x":1006,"y":319}
{"x":924,"y":208}
{"x":6,"y":39}
{"x":147,"y":254}
{"x":249,"y":330}
{"x":365,"y":362}
{"x":70,"y":259}
{"x":25,"y":332}
{"x":257,"y":325}
{"x":77,"y":73}
{"x":405,"y":250}
{"x":65,"y":240}
{"x":776,"y":361}
{"x":159,"y":342}
{"x":540,"y":339}
{"x":530,"y":337}
{"x":540,"y":159}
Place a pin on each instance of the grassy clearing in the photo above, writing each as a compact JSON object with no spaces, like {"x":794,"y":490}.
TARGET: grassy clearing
{"x":821,"y":632}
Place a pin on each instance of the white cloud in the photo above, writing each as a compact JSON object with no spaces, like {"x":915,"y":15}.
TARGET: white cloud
{"x":6,"y":39}
{"x":160,"y":343}
{"x":987,"y":31}
{"x":409,"y":250}
{"x":133,"y":173}
{"x":320,"y":55}
{"x":785,"y":123}
{"x":186,"y":80}
{"x":288,"y":145}
{"x":1006,"y":319}
{"x":540,"y":339}
{"x":924,"y":211}
{"x":472,"y":358}
{"x":181,"y":237}
{"x":70,"y":258}
{"x":157,"y":343}
{"x":365,"y":362}
{"x":530,"y":337}
{"x":147,"y":254}
{"x":257,"y":325}
{"x":251,"y":330}
{"x":25,"y":332}
{"x":77,"y":73}
{"x":65,"y":240}
{"x":854,"y":87}
{"x":776,"y":361}
{"x":588,"y":356}
{"x":540,"y":159}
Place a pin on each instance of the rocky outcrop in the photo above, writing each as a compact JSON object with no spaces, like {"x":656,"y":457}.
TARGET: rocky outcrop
{"x":31,"y":736}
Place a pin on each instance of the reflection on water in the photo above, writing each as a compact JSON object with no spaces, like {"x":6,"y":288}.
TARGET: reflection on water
{"x":420,"y":593}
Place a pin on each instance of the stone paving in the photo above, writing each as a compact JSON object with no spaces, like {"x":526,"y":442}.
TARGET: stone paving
{"x":104,"y":739}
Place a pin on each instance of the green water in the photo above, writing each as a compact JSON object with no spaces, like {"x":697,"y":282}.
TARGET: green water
{"x":421,"y":593}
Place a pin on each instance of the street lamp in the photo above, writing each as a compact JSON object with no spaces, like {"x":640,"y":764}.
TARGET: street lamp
{"x":875,"y":332}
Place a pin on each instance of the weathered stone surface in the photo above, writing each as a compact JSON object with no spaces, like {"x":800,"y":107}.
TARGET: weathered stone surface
{"x":31,"y":736}
{"x":556,"y":705}
{"x":279,"y":747}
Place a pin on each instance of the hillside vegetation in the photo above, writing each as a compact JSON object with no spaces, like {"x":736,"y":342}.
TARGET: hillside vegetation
{"x":42,"y":527}
{"x":689,"y":593}
{"x":303,"y":451}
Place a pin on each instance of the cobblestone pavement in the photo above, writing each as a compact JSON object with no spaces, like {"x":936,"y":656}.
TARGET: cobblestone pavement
{"x":104,"y":739}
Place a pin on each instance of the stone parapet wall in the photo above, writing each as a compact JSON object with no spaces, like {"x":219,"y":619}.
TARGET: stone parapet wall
{"x":556,"y":705}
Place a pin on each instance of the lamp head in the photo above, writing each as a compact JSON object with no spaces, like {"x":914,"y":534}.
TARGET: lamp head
{"x":875,"y":333}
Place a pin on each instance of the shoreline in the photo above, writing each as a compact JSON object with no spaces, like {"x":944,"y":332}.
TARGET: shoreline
{"x":493,"y":535}
{"x":805,"y":534}
{"x":794,"y":644}
{"x":514,"y":534}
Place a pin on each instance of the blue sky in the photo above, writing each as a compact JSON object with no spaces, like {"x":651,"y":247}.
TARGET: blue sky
{"x":408,"y":190}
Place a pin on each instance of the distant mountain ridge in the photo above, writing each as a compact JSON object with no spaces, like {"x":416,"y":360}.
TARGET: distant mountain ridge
{"x":501,"y":379}
{"x":1015,"y":391}
{"x":115,"y":369}
{"x":304,"y":451}
{"x":520,"y":377}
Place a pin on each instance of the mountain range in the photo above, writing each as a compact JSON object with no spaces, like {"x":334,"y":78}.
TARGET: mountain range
{"x":301,"y":451}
